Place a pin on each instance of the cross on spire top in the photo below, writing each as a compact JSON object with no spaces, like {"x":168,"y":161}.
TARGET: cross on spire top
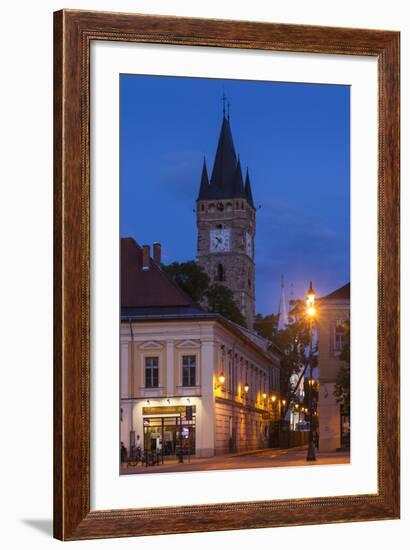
{"x":223,"y":99}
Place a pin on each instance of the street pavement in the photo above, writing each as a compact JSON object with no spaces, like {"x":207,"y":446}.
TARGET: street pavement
{"x":267,"y":458}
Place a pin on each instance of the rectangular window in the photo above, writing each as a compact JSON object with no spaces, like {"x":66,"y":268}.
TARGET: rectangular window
{"x":189,"y":370}
{"x":151,"y":372}
{"x":340,"y":336}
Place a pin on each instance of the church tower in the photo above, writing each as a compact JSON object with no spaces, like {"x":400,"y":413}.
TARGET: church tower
{"x":226,"y":225}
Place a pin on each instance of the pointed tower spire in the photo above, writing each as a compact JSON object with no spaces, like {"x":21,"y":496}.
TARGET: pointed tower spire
{"x":204,"y":187}
{"x":283,"y":307}
{"x":224,"y":168}
{"x":248,"y":190}
{"x":226,"y":180}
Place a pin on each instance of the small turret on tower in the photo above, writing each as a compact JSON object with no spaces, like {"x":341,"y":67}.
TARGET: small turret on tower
{"x":204,"y":187}
{"x":248,"y":190}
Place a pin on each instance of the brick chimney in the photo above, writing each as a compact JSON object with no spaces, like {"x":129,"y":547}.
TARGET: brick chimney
{"x":145,"y":257}
{"x":157,"y":254}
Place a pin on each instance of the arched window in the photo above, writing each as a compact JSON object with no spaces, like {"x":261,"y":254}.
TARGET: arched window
{"x":220,"y":273}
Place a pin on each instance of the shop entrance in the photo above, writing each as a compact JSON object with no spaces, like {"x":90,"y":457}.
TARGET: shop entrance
{"x":167,"y":435}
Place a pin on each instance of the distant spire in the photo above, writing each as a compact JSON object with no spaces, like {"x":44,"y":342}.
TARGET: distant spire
{"x":283,"y":307}
{"x":291,"y":303}
{"x":204,"y":187}
{"x":248,"y":190}
{"x":229,"y":110}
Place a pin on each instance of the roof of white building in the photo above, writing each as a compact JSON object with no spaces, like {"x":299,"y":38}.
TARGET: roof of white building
{"x":152,"y":295}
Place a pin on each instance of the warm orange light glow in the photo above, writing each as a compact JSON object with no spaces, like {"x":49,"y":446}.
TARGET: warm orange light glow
{"x":283,"y":401}
{"x":296,"y":406}
{"x":273,"y":398}
{"x":221,"y":378}
{"x":310,"y":301}
{"x":264,"y":395}
{"x":246,"y":387}
{"x":311,"y":311}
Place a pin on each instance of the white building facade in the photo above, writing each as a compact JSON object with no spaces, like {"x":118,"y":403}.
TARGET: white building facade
{"x":200,"y":384}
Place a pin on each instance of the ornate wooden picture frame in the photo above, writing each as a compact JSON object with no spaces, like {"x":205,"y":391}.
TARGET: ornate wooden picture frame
{"x":74,"y":31}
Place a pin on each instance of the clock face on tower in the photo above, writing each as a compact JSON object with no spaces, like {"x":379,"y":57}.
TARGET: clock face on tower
{"x":219,"y":240}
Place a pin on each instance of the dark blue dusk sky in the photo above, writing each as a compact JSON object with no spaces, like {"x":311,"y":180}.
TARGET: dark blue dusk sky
{"x":295,"y":138}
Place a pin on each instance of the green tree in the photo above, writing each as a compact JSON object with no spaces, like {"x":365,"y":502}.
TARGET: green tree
{"x":190,"y":277}
{"x":292,"y":341}
{"x":342,"y":385}
{"x":220,"y":300}
{"x":193,"y":280}
{"x":266,"y":326}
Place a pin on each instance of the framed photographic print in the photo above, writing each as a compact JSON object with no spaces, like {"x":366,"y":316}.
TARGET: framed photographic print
{"x":226,"y":275}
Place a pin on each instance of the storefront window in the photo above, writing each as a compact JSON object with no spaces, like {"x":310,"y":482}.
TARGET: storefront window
{"x":168,"y":435}
{"x":189,"y":370}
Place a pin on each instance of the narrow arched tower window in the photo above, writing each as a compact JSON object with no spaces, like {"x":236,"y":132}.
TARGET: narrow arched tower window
{"x":220,"y":273}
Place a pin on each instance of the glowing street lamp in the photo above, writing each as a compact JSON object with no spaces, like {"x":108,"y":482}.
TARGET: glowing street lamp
{"x":221,"y":381}
{"x":311,"y":312}
{"x":310,"y":302}
{"x":246,"y":387}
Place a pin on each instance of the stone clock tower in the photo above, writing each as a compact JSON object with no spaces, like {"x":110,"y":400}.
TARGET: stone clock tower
{"x":226,"y":225}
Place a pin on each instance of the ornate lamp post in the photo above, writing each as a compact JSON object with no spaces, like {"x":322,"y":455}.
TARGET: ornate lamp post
{"x":311,"y":312}
{"x":273,"y":399}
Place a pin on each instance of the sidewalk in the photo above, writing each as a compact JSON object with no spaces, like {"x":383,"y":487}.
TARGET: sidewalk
{"x":261,"y":458}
